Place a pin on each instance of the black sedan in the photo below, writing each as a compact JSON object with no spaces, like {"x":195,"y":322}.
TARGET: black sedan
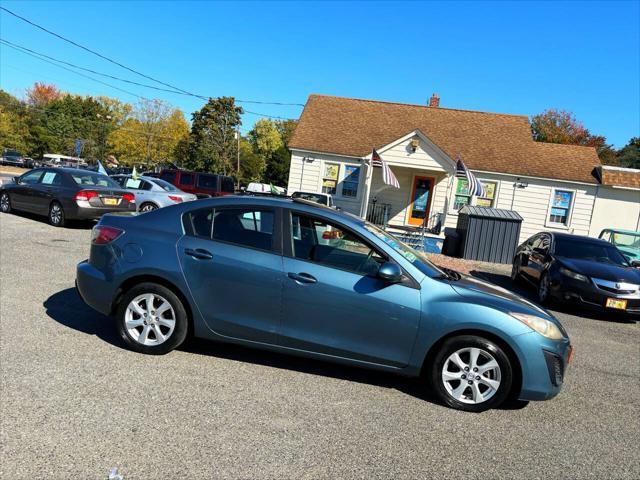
{"x":65,"y":194}
{"x":572,"y":268}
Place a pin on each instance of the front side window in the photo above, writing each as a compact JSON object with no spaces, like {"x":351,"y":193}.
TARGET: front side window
{"x":31,"y":178}
{"x":561,"y":202}
{"x":321,"y":242}
{"x":330,"y":178}
{"x":244,"y":226}
{"x":351,"y":181}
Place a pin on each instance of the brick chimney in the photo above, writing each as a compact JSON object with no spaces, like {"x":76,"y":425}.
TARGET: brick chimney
{"x":434,"y":101}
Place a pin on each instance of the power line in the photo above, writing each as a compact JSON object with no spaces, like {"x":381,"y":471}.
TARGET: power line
{"x":175,"y":89}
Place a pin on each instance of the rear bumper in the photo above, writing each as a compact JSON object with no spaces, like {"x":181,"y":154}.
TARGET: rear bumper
{"x":94,"y":288}
{"x":93,"y":213}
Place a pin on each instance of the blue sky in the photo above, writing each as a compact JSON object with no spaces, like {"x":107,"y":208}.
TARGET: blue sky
{"x":502,"y":57}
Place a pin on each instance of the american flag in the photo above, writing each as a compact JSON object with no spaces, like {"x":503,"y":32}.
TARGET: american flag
{"x":475,"y":186}
{"x":387,"y":175}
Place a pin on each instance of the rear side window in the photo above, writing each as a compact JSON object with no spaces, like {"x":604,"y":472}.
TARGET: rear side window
{"x":198,"y":223}
{"x":168,"y":176}
{"x":186,"y":179}
{"x":51,"y":178}
{"x":247,"y":227}
{"x":208,"y":181}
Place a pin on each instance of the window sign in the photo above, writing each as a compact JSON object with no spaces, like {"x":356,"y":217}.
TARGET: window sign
{"x":462,"y":194}
{"x":560,"y":206}
{"x":330,"y":178}
{"x":49,"y":178}
{"x":489,"y":198}
{"x":131,"y":183}
{"x":350,"y":182}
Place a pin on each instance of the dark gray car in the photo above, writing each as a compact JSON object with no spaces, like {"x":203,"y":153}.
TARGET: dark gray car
{"x":65,"y":194}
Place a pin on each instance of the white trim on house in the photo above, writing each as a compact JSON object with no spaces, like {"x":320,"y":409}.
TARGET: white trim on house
{"x":417,"y":133}
{"x":536,"y":178}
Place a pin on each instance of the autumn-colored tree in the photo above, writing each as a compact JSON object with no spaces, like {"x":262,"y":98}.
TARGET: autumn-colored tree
{"x":41,"y":94}
{"x":560,"y":126}
{"x":151,"y":135}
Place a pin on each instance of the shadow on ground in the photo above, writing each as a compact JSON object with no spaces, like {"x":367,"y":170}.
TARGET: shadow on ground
{"x":528,"y":291}
{"x":67,"y":308}
{"x":70,"y":224}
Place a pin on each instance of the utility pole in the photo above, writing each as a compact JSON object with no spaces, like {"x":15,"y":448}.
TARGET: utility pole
{"x":237,"y":134}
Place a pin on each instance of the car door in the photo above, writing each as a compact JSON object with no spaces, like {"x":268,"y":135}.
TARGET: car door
{"x":333,"y":302}
{"x":22,"y":195}
{"x":539,"y":256}
{"x":232,"y":263}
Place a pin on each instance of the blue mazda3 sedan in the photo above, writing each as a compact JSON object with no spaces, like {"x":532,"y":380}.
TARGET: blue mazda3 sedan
{"x":296,"y":277}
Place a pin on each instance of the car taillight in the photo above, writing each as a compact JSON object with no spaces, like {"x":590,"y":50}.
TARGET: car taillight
{"x":175,"y":199}
{"x":129,"y":197}
{"x":85,"y":195}
{"x":102,"y":234}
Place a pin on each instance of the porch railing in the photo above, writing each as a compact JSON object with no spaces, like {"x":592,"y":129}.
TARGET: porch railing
{"x":378,"y":213}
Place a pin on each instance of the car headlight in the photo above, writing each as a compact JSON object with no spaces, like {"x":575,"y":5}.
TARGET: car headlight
{"x":574,"y":275}
{"x":542,"y":326}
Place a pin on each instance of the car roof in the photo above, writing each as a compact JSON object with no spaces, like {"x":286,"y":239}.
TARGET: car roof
{"x":72,"y":170}
{"x":285,"y":202}
{"x":621,"y":230}
{"x":577,"y":238}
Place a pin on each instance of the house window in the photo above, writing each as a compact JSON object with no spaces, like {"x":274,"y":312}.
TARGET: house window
{"x":351,"y":181}
{"x":464,"y":198}
{"x":561,"y":202}
{"x":330,"y":178}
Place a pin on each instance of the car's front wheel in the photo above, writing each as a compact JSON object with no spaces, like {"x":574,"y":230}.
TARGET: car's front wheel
{"x":5,"y":203}
{"x":471,"y":373}
{"x":544,"y":289}
{"x":151,"y":319}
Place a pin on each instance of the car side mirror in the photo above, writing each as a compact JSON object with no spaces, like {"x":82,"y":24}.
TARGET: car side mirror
{"x":390,"y":272}
{"x":635,"y":263}
{"x":16,"y":180}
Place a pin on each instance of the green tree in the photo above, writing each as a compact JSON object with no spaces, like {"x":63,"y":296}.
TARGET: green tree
{"x":269,"y":139}
{"x":629,"y":155}
{"x":252,"y":164}
{"x":14,"y":125}
{"x":213,"y":145}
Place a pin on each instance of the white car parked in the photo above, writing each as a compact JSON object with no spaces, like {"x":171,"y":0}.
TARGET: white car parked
{"x":153,"y":193}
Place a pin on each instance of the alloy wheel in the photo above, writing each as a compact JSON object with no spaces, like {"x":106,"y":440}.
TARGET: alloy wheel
{"x":5,"y":203}
{"x":150,"y":319}
{"x":55,"y":214}
{"x":148,"y":207}
{"x":471,"y":375}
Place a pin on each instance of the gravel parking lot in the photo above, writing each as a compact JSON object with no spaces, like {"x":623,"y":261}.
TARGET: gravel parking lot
{"x":74,"y":403}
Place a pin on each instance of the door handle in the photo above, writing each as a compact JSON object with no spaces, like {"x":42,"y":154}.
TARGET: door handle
{"x":302,"y":277}
{"x":198,"y":253}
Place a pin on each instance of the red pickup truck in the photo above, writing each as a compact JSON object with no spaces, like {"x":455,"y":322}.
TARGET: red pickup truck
{"x":199,"y":183}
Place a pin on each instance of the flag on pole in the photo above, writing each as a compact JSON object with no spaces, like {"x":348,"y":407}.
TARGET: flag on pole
{"x":387,"y":175}
{"x":101,"y":169}
{"x":475,"y":186}
{"x":135,"y":175}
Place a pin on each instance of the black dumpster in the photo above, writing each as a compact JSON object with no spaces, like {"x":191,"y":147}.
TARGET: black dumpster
{"x":451,"y":243}
{"x":488,"y":234}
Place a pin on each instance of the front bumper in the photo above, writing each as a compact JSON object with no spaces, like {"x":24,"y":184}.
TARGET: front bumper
{"x":590,"y":296}
{"x":544,"y":365}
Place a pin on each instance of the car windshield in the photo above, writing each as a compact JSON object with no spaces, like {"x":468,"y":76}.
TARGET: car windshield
{"x":417,"y":259}
{"x":166,"y":186}
{"x":626,"y":240}
{"x":595,"y":252}
{"x":92,"y":179}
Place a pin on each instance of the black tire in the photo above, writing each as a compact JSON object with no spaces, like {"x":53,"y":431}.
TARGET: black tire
{"x":56,"y":214}
{"x":488,"y":349}
{"x":5,"y":203}
{"x":148,"y":207}
{"x":544,"y":290}
{"x":516,"y":276}
{"x":177,"y":336}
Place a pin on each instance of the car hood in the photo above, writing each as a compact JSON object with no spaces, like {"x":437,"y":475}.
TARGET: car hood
{"x":605,"y":271}
{"x":494,"y":296}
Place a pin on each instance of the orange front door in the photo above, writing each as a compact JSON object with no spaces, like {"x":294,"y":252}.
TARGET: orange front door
{"x":420,"y":205}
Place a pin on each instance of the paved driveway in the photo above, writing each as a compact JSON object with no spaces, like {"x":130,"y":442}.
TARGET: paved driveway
{"x":75,"y":403}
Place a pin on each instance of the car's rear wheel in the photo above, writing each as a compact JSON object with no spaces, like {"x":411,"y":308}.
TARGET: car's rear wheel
{"x":56,"y":215}
{"x":148,"y":207}
{"x":5,"y":203}
{"x":152,"y":319}
{"x":471,"y":373}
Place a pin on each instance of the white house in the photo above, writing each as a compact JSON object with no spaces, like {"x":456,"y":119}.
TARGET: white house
{"x":553,"y":187}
